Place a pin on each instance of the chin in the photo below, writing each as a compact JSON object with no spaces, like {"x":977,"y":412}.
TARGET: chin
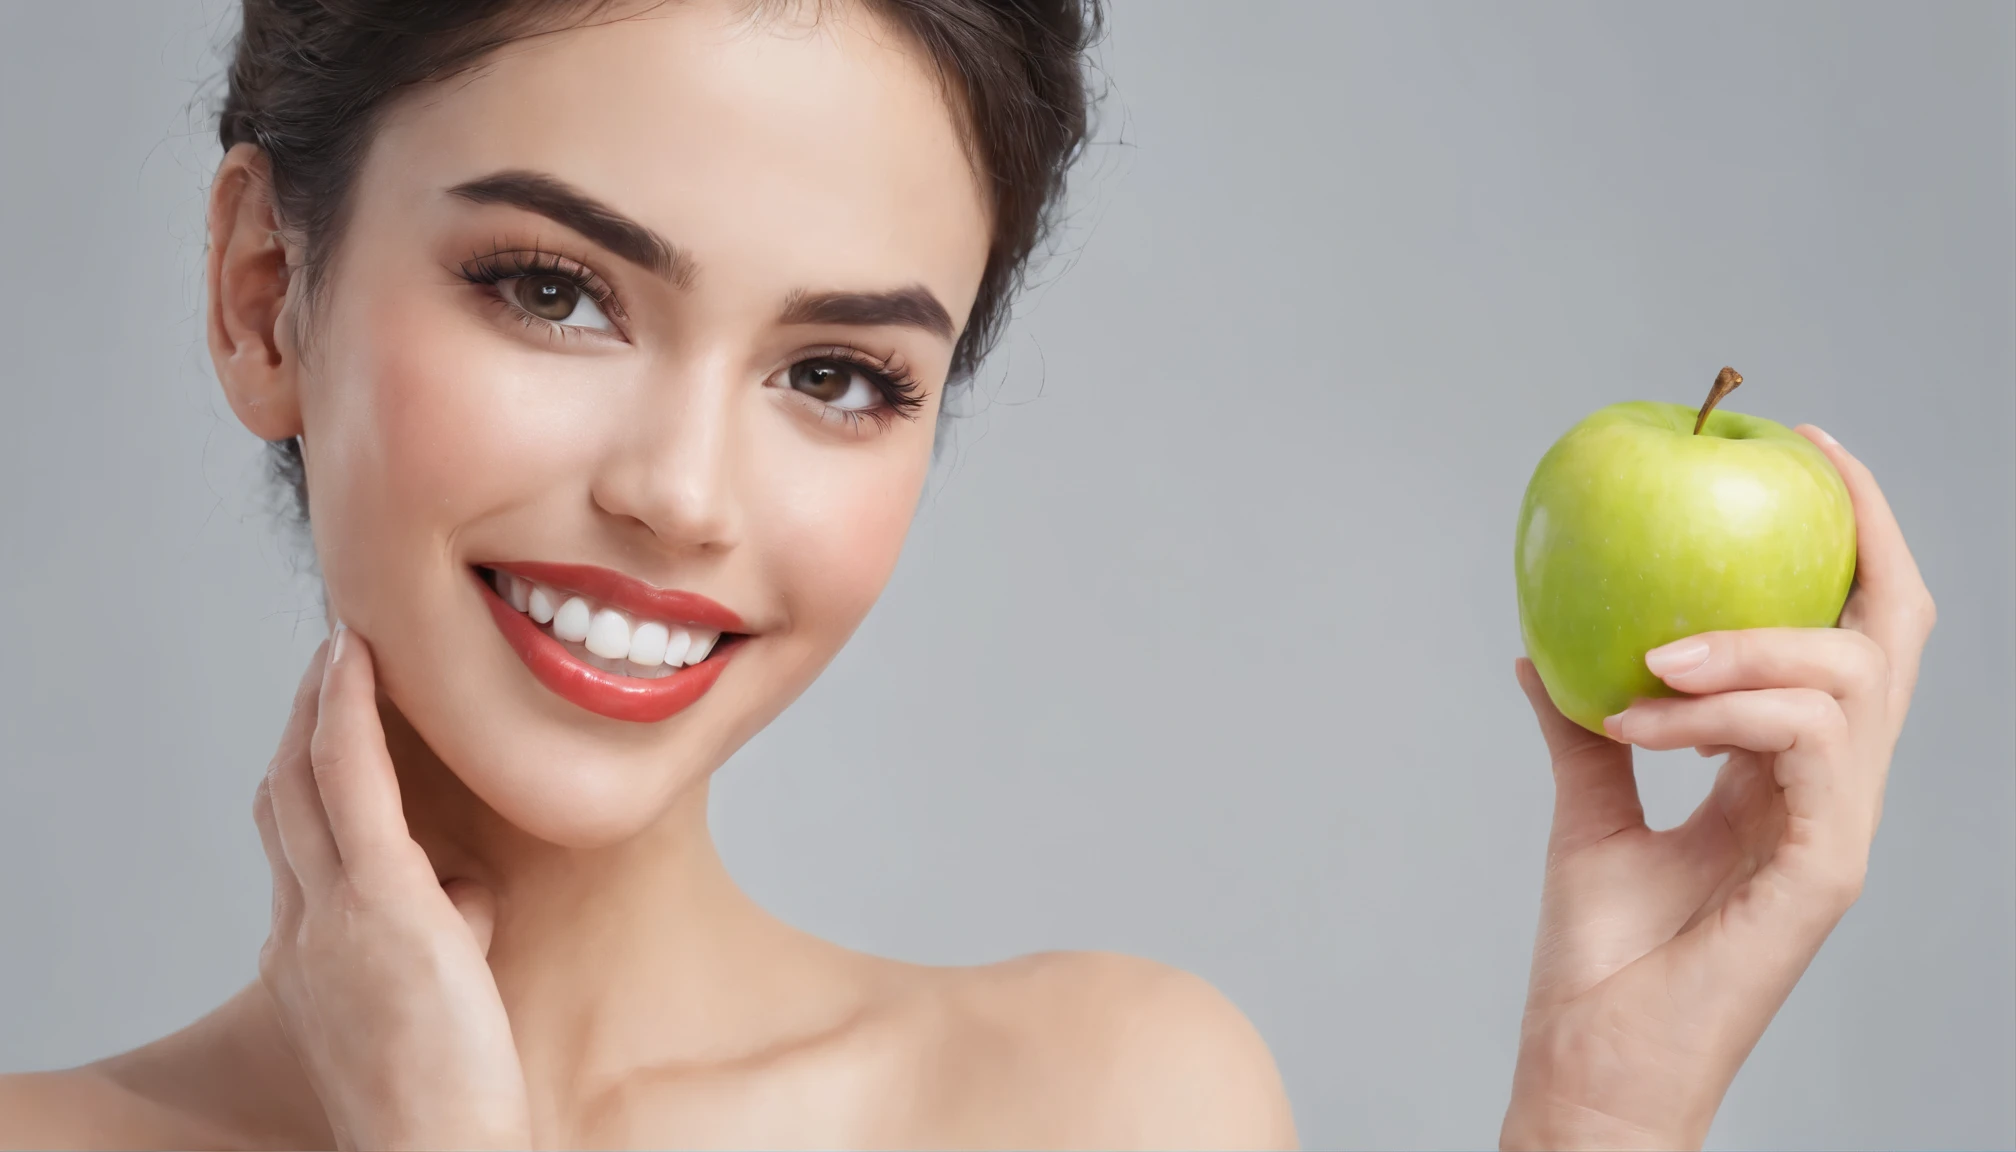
{"x":545,"y":766}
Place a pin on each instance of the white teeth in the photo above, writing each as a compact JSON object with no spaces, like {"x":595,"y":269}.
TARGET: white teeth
{"x":571,"y":622}
{"x":606,"y":633}
{"x":539,"y":604}
{"x":703,"y":643}
{"x":676,"y":643}
{"x":647,"y":644}
{"x":609,"y":634}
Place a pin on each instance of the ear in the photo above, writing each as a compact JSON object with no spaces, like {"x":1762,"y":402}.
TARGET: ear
{"x":248,"y":274}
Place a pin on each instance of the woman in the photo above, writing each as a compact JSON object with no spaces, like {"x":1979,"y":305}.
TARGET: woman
{"x":606,"y":342}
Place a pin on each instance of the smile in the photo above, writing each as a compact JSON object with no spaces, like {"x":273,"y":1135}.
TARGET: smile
{"x":609,"y":643}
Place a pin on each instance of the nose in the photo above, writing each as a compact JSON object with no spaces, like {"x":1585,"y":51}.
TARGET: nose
{"x":672,"y":468}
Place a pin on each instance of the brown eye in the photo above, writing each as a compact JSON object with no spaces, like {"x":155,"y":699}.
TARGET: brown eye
{"x":556,"y":300}
{"x":837,"y":383}
{"x":548,"y":297}
{"x":824,"y":380}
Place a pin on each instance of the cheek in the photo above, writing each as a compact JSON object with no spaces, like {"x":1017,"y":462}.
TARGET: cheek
{"x":456,"y":416}
{"x":418,"y":422}
{"x":838,"y":531}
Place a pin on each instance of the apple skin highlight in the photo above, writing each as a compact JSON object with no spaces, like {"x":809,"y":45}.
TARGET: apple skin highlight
{"x":1636,"y":532}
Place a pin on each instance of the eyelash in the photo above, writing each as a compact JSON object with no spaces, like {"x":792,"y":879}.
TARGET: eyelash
{"x":492,"y":268}
{"x":902,"y":393}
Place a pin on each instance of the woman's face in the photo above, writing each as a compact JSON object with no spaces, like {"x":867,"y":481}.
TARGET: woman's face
{"x":654,"y":315}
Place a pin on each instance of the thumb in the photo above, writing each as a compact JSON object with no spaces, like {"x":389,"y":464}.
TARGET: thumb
{"x":478,"y":906}
{"x":1595,"y":791}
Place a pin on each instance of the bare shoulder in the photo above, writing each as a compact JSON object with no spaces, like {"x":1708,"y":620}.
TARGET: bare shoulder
{"x":137,"y":1100}
{"x":1120,"y":1052}
{"x":224,"y":1081}
{"x":77,"y":1108}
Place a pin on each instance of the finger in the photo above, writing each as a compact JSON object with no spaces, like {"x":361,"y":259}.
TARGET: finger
{"x":1738,"y":812}
{"x":352,"y":768}
{"x":1595,"y":792}
{"x":301,"y":712}
{"x":1895,"y":607}
{"x":1882,"y":559}
{"x":300,"y":824}
{"x":1762,"y":720}
{"x":1844,"y":664}
{"x":286,"y":885}
{"x":287,"y":902}
{"x":1709,"y":751}
{"x":1720,"y":844}
{"x":478,"y":906}
{"x":1829,"y":813}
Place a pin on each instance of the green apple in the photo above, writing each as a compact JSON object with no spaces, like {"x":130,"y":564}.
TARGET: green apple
{"x":1638,"y":530}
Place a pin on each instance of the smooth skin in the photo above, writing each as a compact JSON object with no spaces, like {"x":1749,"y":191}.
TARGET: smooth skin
{"x":499,"y":920}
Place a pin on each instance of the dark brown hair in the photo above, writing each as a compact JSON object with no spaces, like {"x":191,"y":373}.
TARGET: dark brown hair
{"x":309,"y":80}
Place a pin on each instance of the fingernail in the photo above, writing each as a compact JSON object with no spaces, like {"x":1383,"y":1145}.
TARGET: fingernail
{"x":336,"y":642}
{"x":1825,"y":436}
{"x":1613,"y":726}
{"x":1677,"y":658}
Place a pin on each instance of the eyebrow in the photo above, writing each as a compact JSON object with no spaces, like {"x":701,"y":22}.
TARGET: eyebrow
{"x":911,"y":307}
{"x":561,"y":202}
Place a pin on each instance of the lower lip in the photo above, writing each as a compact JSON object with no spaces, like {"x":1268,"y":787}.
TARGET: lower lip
{"x":603,"y":693}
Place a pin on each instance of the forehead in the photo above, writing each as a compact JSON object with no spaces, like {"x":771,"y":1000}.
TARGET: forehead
{"x":816,"y":150}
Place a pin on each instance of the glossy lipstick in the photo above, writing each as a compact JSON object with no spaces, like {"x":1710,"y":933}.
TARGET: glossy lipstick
{"x":606,"y":693}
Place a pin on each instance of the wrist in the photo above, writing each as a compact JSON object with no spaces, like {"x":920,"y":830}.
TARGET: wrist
{"x":502,"y":1127}
{"x":463,"y":1139}
{"x":1570,"y":1093}
{"x":1554,"y":1125}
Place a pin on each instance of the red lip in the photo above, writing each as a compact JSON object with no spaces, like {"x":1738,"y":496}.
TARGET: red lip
{"x":605,"y":693}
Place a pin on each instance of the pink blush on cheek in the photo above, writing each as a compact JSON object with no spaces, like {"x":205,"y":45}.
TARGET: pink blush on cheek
{"x":462,"y":421}
{"x":839,"y":553}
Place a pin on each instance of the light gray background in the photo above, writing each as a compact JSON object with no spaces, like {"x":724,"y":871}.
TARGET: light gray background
{"x":1202,"y":645}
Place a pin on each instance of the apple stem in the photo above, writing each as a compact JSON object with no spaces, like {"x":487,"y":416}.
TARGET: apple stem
{"x":1725,"y":383}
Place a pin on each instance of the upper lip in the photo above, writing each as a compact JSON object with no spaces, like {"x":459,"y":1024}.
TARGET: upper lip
{"x":628,"y":594}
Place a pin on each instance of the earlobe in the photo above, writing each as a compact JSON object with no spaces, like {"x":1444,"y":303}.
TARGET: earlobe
{"x":247,"y":275}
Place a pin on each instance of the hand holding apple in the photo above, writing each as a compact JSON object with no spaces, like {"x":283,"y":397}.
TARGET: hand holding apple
{"x":1662,"y":956}
{"x":1636,"y":531}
